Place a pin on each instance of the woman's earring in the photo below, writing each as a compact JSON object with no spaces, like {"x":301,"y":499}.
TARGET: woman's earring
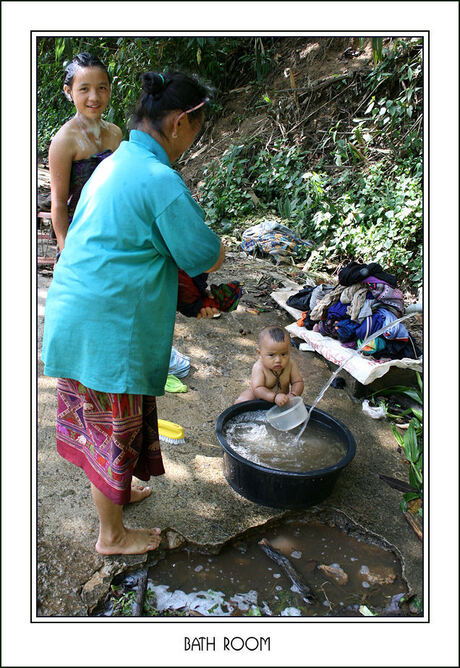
{"x":174,"y":135}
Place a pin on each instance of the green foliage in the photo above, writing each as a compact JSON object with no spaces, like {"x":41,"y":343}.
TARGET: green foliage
{"x":367,"y":208}
{"x":122,"y":602}
{"x":254,"y":611}
{"x":370,"y":208}
{"x":416,"y":605}
{"x":411,"y":442}
{"x":219,"y":61}
{"x":374,"y":215}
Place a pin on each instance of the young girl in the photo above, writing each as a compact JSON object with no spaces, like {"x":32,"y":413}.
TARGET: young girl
{"x":83,"y":142}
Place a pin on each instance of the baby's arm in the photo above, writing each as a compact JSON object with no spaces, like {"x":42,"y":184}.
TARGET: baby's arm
{"x":296,"y":381}
{"x":258,"y":384}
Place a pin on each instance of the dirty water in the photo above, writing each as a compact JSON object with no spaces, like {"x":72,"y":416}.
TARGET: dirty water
{"x":343,"y":572}
{"x":251,"y":436}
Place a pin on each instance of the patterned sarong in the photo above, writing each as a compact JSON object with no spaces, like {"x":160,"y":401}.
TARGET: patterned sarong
{"x":110,"y":436}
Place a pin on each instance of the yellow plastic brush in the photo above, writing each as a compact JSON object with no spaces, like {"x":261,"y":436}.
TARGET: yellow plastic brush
{"x":170,"y":432}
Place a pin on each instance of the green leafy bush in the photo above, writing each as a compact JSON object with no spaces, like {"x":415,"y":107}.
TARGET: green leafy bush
{"x":370,"y":208}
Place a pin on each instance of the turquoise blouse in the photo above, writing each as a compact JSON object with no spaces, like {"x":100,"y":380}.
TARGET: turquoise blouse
{"x":111,"y":306}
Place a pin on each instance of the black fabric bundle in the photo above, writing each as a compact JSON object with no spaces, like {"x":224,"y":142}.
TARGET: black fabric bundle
{"x":398,"y":350}
{"x":301,"y":299}
{"x":355,"y":273}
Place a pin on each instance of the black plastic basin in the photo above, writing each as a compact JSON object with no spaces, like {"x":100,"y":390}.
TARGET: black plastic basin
{"x":274,"y":487}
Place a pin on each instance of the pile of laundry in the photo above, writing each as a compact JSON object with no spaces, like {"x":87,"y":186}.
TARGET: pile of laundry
{"x":272,"y":238}
{"x":364,"y":300}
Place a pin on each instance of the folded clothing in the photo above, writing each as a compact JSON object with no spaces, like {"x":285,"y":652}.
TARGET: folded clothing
{"x":327,"y":328}
{"x":370,"y":324}
{"x":373,"y":346}
{"x":387,"y":295}
{"x":346,"y":329}
{"x":322,"y":306}
{"x":319,"y":293}
{"x":338,"y":311}
{"x":369,"y":306}
{"x":397,"y":331}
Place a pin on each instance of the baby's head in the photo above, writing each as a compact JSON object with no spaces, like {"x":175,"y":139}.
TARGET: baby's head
{"x":274,"y":348}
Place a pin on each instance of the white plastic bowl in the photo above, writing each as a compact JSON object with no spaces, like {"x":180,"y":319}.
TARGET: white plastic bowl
{"x":288,"y":416}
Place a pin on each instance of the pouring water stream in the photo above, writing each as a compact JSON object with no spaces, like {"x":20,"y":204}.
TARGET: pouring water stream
{"x":339,"y":368}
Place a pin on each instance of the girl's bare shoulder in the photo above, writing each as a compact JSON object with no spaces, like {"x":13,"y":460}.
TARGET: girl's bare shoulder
{"x":65,"y":139}
{"x":111,"y":129}
{"x":115,"y":130}
{"x":113,"y":135}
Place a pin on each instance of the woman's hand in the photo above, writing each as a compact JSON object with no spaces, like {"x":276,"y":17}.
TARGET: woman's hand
{"x":208,"y":312}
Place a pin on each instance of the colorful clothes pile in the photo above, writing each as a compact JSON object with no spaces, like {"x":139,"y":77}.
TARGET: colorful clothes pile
{"x":272,"y":238}
{"x":365,"y":300}
{"x":193,"y":295}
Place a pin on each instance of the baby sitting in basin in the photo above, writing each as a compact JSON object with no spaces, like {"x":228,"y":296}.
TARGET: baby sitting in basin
{"x":275,"y":377}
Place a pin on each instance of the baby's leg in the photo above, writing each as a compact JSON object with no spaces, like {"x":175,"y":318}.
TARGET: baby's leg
{"x":247,"y":395}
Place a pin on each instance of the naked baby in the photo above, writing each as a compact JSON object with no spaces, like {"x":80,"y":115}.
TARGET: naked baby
{"x":275,"y":377}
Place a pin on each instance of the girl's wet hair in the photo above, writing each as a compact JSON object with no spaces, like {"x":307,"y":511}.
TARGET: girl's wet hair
{"x":162,"y":93}
{"x":83,"y":59}
{"x":275,"y":333}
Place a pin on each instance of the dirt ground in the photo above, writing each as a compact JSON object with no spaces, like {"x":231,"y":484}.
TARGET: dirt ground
{"x":193,"y":496}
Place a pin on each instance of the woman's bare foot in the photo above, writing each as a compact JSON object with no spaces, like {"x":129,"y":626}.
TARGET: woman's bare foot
{"x":132,"y":541}
{"x":138,"y":493}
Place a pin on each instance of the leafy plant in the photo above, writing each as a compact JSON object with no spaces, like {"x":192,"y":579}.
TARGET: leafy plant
{"x":254,"y":611}
{"x":122,"y":601}
{"x":411,"y":442}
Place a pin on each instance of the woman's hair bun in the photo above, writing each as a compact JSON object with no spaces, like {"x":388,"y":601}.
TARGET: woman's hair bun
{"x":152,"y":83}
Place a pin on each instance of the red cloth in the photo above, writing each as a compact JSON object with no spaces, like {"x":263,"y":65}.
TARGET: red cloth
{"x":188,"y":291}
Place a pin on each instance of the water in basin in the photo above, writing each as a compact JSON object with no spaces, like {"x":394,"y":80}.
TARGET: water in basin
{"x":251,"y":436}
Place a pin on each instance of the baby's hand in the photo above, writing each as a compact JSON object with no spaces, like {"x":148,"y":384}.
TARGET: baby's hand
{"x":281,"y":399}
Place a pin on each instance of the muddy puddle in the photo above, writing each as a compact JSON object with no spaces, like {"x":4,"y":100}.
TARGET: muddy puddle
{"x":314,"y":570}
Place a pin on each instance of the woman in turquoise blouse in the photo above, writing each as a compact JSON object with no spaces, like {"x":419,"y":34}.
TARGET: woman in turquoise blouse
{"x":111,"y":306}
